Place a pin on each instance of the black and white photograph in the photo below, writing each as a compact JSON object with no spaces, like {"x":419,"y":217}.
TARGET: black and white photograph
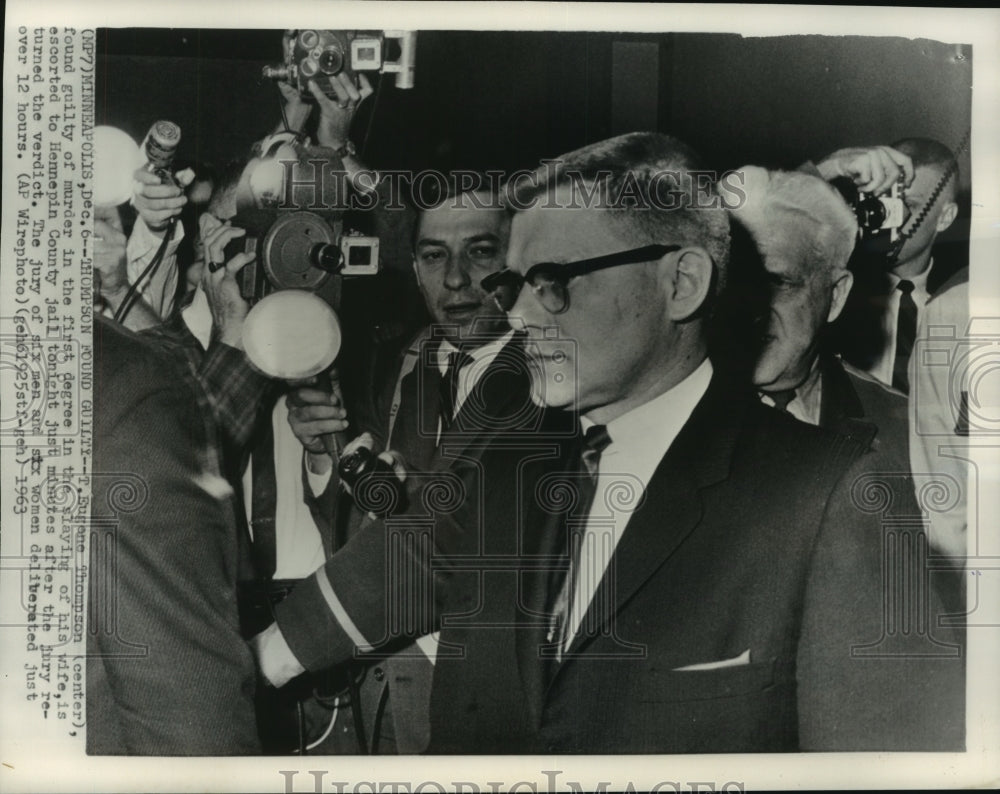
{"x":555,"y":396}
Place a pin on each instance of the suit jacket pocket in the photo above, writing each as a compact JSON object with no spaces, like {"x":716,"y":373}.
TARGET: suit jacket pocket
{"x":672,"y":686}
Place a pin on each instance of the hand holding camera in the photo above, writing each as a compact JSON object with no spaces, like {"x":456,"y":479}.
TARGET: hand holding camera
{"x":375,"y":481}
{"x":336,"y":114}
{"x":872,"y":181}
{"x":872,"y":169}
{"x":228,"y":306}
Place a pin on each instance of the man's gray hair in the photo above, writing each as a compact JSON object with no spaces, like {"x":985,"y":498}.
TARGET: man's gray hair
{"x":652,"y":186}
{"x":798,"y":217}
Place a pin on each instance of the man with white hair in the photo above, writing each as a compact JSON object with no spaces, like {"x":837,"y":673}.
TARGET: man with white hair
{"x":804,"y":233}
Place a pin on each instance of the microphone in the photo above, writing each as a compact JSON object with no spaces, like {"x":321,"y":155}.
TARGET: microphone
{"x":160,"y":146}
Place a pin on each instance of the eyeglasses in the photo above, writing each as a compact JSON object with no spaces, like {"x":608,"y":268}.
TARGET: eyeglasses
{"x":550,"y":280}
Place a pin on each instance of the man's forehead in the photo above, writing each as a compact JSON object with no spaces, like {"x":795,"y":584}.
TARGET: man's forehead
{"x":559,"y":234}
{"x":461,"y":216}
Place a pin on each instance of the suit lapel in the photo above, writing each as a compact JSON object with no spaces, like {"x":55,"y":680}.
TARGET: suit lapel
{"x":545,"y":547}
{"x":414,"y":433}
{"x":493,"y":405}
{"x":672,"y":506}
{"x":840,"y":407}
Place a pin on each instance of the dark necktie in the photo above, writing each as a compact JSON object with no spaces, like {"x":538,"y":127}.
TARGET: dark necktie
{"x":906,"y":333}
{"x":781,"y":398}
{"x":264,"y":503}
{"x":457,"y":361}
{"x":595,"y":441}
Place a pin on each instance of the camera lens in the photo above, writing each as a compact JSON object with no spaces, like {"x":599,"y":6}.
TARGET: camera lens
{"x":871,"y":213}
{"x":331,"y":60}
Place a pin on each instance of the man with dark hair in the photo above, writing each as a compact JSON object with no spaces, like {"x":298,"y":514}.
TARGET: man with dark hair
{"x":688,"y":574}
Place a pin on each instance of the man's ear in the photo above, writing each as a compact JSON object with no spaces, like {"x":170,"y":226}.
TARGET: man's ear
{"x":689,"y":281}
{"x":841,"y":289}
{"x":947,"y":217}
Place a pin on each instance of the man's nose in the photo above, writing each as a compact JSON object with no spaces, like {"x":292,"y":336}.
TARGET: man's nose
{"x":456,"y":274}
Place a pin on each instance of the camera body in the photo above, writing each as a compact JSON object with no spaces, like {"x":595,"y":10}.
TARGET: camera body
{"x":297,"y":250}
{"x":874,"y":213}
{"x":320,"y":55}
{"x":375,"y":485}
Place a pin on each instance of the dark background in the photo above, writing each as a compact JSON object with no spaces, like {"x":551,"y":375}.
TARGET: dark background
{"x":506,"y":99}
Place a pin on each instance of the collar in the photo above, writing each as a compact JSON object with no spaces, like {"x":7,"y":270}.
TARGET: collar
{"x":649,"y":429}
{"x":198,"y":318}
{"x":485,"y":351}
{"x":919,"y":281}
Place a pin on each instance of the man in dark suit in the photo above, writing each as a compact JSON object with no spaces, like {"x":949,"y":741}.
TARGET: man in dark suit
{"x":167,"y":670}
{"x":804,"y":233}
{"x":694,"y":575}
{"x":457,"y":383}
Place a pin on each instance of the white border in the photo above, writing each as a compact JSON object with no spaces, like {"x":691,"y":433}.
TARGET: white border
{"x":36,"y":763}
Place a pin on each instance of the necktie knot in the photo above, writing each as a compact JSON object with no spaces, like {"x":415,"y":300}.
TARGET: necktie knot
{"x":781,"y":398}
{"x":458,"y":360}
{"x":906,"y":287}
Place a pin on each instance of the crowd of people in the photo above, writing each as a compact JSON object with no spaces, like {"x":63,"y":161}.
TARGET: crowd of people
{"x":663,"y":473}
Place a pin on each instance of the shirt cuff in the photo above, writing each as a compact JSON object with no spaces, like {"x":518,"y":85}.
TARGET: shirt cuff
{"x":276,"y":660}
{"x":318,"y":481}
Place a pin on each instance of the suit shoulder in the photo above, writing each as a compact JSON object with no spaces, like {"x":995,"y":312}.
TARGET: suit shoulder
{"x":778,"y":438}
{"x":124,"y":353}
{"x":873,"y":393}
{"x":129,"y":370}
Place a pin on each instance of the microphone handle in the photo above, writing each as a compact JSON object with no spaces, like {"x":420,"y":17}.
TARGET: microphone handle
{"x":333,"y":443}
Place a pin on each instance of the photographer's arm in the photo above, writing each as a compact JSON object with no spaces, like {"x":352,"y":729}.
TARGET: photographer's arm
{"x":157,"y":205}
{"x":236,"y":390}
{"x":873,"y":169}
{"x":351,"y":605}
{"x":334,"y":126}
{"x":296,"y":110}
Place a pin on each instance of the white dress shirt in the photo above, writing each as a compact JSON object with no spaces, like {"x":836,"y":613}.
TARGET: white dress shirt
{"x":159,"y":289}
{"x":639,"y":441}
{"x":808,"y":401}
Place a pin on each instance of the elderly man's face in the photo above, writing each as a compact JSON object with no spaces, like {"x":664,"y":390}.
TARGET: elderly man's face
{"x":458,"y":244}
{"x":801,"y":298}
{"x":613,"y":335}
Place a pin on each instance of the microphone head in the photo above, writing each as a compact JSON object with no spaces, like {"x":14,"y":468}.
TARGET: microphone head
{"x":291,"y":334}
{"x":116,"y":159}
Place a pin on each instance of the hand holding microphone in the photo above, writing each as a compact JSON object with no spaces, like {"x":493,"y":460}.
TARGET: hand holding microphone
{"x":316,"y":413}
